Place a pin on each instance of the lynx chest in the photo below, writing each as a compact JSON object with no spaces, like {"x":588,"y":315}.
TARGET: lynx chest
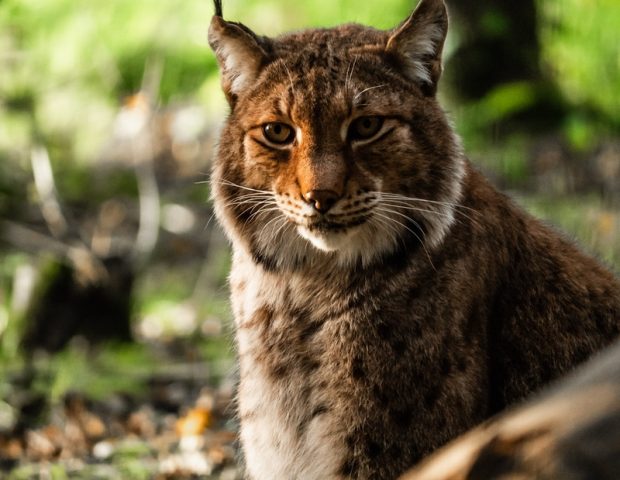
{"x":346,"y":375}
{"x":288,"y":371}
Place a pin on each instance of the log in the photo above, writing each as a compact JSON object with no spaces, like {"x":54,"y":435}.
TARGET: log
{"x":570,"y":431}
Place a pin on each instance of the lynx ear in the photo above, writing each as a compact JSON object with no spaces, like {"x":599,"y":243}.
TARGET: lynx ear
{"x":418,"y":43}
{"x":240,"y":54}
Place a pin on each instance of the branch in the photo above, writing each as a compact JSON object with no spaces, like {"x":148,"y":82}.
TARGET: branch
{"x":88,"y":267}
{"x":46,"y":189}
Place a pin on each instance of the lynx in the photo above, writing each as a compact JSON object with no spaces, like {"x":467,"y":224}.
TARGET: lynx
{"x":386,"y":297}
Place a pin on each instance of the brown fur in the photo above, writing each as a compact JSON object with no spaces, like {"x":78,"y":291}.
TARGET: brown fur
{"x":403,"y":321}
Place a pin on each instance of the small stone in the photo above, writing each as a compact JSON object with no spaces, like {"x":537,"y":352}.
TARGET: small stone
{"x":39,"y":446}
{"x":103,"y":450}
{"x":186,"y":463}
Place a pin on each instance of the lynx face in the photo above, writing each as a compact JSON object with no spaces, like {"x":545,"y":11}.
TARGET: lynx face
{"x":335,"y":145}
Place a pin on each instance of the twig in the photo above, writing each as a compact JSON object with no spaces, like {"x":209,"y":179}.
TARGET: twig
{"x":46,"y":188}
{"x":88,"y":266}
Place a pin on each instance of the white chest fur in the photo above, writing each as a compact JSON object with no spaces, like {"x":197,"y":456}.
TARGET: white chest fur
{"x":280,"y":436}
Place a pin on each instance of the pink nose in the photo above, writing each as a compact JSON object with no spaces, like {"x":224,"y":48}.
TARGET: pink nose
{"x":321,"y":200}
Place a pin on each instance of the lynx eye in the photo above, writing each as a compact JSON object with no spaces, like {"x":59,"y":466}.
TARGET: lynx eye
{"x":363,"y":128}
{"x":278,"y":133}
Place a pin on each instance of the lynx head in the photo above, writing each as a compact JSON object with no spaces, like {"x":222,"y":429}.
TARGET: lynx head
{"x":335,"y":147}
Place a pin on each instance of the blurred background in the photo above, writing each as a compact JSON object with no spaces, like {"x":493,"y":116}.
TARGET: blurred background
{"x":116,"y":355}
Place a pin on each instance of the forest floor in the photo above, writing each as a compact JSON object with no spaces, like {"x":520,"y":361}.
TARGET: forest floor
{"x":178,"y":423}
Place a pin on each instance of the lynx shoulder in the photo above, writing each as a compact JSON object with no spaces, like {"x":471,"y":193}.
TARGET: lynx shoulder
{"x":386,"y":296}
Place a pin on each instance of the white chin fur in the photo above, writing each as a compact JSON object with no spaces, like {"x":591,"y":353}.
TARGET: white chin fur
{"x":327,"y":242}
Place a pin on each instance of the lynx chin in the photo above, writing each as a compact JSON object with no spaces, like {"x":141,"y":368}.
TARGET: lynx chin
{"x":386,"y":296}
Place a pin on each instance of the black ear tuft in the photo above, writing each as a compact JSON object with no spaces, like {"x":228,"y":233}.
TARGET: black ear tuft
{"x":218,"y":8}
{"x":240,"y":53}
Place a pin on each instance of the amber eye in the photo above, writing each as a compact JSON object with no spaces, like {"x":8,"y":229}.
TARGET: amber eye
{"x":278,"y":133}
{"x":363,"y":128}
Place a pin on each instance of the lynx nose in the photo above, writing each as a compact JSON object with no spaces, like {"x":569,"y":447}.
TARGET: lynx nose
{"x":321,"y":200}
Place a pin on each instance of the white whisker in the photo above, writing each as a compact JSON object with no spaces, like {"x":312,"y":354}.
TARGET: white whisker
{"x":275,"y":218}
{"x":417,"y":199}
{"x":211,"y":217}
{"x":257,"y":199}
{"x":417,"y":209}
{"x":366,"y":90}
{"x":383,"y":222}
{"x":290,"y":77}
{"x":252,"y":203}
{"x":232,"y":184}
{"x":259,"y":212}
{"x":350,"y":74}
{"x":454,"y":207}
{"x":410,"y":230}
{"x":282,"y":227}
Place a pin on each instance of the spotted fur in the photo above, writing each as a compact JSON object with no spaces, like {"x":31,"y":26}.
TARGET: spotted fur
{"x":386,"y":297}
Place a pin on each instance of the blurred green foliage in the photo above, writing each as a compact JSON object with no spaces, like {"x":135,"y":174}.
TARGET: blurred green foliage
{"x":581,"y":50}
{"x":66,"y":64}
